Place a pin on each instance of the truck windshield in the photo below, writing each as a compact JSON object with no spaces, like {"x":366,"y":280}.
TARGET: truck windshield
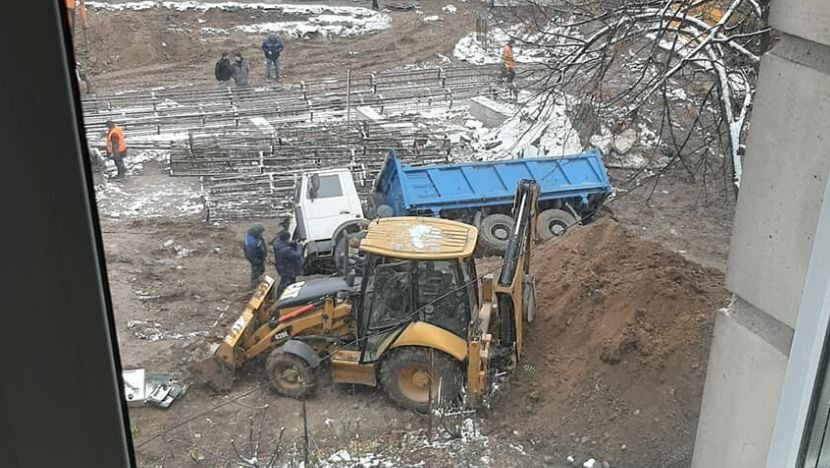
{"x":329,"y":186}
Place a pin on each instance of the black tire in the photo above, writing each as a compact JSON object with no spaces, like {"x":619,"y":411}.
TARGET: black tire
{"x":495,"y":233}
{"x":290,"y":375}
{"x":554,"y":222}
{"x":405,"y":375}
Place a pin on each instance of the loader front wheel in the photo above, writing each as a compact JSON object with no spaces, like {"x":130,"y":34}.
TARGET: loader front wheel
{"x":408,"y":373}
{"x":290,"y":375}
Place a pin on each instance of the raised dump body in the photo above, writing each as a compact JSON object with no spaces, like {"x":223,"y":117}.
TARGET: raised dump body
{"x":572,"y":189}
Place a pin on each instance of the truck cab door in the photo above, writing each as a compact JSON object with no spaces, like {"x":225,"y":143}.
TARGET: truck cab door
{"x":327,"y":199}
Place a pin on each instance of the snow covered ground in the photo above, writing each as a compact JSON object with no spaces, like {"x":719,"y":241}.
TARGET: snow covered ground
{"x":325,"y":25}
{"x":317,"y":20}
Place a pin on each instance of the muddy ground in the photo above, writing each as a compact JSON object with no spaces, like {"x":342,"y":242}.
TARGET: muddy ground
{"x":174,"y":50}
{"x":614,"y":364}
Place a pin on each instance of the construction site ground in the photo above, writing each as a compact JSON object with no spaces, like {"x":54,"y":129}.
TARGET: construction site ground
{"x":613,"y":365}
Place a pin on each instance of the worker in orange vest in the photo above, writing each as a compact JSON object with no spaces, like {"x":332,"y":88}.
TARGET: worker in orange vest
{"x":70,"y":13}
{"x":509,"y":62}
{"x":117,"y":148}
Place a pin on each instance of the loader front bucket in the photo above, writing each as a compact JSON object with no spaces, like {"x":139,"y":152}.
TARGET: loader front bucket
{"x":215,"y":363}
{"x":212,"y":370}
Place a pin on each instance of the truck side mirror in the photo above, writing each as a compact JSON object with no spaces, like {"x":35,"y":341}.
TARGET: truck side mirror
{"x":350,"y":278}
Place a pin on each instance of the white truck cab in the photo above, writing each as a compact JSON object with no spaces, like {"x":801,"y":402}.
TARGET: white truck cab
{"x":325,"y":203}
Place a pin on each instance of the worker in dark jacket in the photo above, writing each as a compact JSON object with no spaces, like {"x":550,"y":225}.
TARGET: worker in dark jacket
{"x":288,"y":258}
{"x":241,"y":70}
{"x":272,"y":48}
{"x":223,"y":70}
{"x":256,"y":252}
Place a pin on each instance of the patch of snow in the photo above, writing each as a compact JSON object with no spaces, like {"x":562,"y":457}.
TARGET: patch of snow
{"x":471,"y":49}
{"x":433,"y":18}
{"x":423,"y":235}
{"x":207,"y":31}
{"x":589,"y":463}
{"x":532,"y":131}
{"x":323,"y":25}
{"x":449,"y":9}
{"x":285,"y":8}
{"x":341,"y":456}
{"x":678,"y":94}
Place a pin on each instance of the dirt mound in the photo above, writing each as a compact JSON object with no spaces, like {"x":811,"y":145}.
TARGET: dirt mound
{"x":615,"y":361}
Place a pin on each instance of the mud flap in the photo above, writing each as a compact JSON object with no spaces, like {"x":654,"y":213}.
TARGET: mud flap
{"x":529,"y":296}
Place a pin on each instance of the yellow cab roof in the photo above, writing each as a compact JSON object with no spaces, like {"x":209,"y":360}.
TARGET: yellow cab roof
{"x":419,"y":238}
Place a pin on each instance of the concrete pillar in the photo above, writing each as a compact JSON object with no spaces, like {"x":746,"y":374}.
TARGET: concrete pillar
{"x":773,"y":252}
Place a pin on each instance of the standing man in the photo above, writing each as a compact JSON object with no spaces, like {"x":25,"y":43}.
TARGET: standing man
{"x":116,"y":148}
{"x":509,"y":62}
{"x":241,"y":70}
{"x":255,"y":252}
{"x":70,"y":13}
{"x":272,"y":48}
{"x":223,"y":70}
{"x":288,"y":259}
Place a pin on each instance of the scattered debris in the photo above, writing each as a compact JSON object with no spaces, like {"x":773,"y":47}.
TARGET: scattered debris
{"x":155,"y":389}
{"x":625,"y":141}
{"x":152,"y":331}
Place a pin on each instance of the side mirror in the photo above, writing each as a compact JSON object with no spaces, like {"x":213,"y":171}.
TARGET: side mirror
{"x":350,"y":278}
{"x":313,"y":186}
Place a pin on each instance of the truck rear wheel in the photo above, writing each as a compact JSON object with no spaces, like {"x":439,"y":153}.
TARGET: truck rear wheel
{"x":289,"y":374}
{"x":406,"y":376}
{"x":554,"y":222}
{"x":495,"y":232}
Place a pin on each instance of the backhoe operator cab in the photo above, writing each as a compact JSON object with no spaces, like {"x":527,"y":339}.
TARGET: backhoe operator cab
{"x":420,"y":324}
{"x":416,"y":303}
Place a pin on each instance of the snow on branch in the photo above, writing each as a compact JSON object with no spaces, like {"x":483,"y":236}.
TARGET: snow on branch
{"x":624,"y":54}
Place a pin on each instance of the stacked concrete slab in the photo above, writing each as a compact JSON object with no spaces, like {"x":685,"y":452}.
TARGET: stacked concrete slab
{"x":752,"y":404}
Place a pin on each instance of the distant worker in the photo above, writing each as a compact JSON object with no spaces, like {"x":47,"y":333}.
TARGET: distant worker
{"x":117,"y":148}
{"x":272,"y":48}
{"x":70,"y":14}
{"x":288,"y":259}
{"x":256,"y":252}
{"x":241,"y":70}
{"x":509,"y":71}
{"x":223,"y":70}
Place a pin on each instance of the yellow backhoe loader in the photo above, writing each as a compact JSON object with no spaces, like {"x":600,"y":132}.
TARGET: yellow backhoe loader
{"x":419,"y":323}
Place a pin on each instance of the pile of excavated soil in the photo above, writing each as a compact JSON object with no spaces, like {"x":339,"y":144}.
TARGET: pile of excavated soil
{"x":614,"y":362}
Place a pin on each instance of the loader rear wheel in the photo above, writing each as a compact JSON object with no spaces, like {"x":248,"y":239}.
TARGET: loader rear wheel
{"x":406,"y":376}
{"x":495,"y":232}
{"x":554,"y":222}
{"x":290,"y":375}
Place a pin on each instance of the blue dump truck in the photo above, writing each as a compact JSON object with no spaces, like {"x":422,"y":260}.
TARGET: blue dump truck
{"x":572,"y":189}
{"x":328,"y":208}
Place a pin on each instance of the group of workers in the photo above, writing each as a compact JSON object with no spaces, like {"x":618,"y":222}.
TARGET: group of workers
{"x":287,"y":256}
{"x":239,"y":69}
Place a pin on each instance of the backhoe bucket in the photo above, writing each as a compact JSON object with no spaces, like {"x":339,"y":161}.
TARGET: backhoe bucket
{"x":213,"y":370}
{"x":216,"y":363}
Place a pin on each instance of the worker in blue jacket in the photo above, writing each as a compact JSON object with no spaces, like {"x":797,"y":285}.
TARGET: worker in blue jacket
{"x":288,"y":259}
{"x":272,"y":48}
{"x":256,"y":252}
